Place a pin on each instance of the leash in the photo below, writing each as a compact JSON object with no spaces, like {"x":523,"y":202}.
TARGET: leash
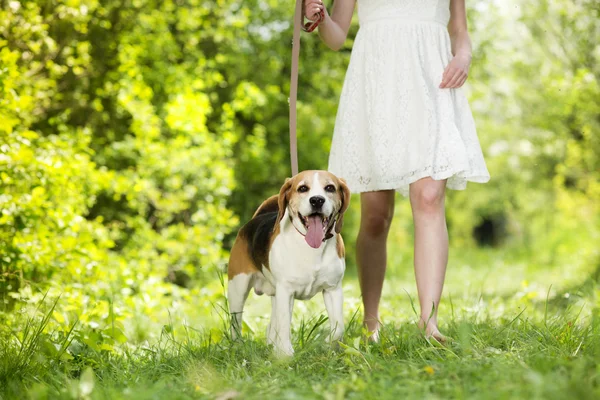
{"x":308,"y":27}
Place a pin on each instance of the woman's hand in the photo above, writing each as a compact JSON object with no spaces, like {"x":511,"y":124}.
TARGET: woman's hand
{"x":456,"y":72}
{"x":312,"y":8}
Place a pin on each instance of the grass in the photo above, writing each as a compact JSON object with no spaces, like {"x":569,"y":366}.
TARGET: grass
{"x":517,"y":332}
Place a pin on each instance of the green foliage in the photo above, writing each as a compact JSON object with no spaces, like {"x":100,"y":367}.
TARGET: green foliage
{"x":533,"y":89}
{"x":111,"y":176}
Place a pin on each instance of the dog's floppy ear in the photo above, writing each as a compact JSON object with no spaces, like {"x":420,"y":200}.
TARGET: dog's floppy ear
{"x":282,"y":202}
{"x":345,"y":195}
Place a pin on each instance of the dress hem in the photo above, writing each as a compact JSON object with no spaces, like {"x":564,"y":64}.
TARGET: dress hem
{"x":402,"y":185}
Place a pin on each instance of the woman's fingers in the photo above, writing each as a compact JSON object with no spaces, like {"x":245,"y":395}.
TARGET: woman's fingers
{"x":458,"y":75}
{"x":453,"y":78}
{"x":463,"y":80}
{"x":312,"y":8}
{"x":445,"y":75}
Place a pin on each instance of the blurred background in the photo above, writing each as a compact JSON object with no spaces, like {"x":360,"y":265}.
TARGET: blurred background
{"x":136,"y":136}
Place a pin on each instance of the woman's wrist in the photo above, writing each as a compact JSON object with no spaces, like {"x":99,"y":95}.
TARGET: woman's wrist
{"x":461,"y":44}
{"x":326,"y":19}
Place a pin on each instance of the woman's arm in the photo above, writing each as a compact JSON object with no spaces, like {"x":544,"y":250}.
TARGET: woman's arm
{"x":457,"y":71}
{"x":459,"y":34}
{"x":334,"y":28}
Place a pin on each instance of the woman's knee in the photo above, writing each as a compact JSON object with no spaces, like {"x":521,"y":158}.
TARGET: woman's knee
{"x":427,"y":197}
{"x":376,"y":222}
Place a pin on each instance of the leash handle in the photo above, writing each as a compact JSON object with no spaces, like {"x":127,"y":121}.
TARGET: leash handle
{"x":308,"y":27}
{"x":312,"y":25}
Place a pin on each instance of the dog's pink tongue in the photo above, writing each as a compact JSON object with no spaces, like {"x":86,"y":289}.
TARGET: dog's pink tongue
{"x":314,"y":236}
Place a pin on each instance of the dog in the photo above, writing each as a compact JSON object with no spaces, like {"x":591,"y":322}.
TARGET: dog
{"x":291,"y":249}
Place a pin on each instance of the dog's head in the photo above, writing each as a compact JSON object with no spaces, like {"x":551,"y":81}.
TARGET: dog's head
{"x":315,"y":201}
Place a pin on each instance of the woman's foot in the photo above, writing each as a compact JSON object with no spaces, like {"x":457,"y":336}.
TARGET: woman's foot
{"x":432,"y":331}
{"x":372,"y":327}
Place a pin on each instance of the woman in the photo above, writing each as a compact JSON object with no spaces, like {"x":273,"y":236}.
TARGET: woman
{"x":403,"y":124}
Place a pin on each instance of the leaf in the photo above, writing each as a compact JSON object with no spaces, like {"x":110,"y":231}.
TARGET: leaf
{"x":106,"y":346}
{"x":58,"y":317}
{"x":116,"y":334}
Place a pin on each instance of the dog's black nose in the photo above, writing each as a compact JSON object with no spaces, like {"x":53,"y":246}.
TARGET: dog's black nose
{"x":317,"y":201}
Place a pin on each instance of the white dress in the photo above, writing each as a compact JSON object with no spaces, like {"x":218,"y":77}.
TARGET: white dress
{"x":394,"y":125}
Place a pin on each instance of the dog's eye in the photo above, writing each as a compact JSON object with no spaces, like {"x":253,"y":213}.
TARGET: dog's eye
{"x":303,"y":189}
{"x":330,"y":188}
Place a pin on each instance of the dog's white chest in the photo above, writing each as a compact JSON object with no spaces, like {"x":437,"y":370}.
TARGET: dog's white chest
{"x":302,"y":269}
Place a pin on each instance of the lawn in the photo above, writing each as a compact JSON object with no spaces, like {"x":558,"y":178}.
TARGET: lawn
{"x":515,"y":333}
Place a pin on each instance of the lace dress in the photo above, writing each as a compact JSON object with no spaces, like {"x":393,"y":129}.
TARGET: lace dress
{"x":394,"y":125}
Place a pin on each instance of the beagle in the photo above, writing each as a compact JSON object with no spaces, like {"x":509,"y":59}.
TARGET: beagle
{"x":292,"y":249}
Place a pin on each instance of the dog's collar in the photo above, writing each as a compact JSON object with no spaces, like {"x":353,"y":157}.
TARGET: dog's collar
{"x":328,"y":234}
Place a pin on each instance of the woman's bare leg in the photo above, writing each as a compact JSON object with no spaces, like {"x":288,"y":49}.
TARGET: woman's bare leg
{"x":427,"y":198}
{"x":377,"y":210}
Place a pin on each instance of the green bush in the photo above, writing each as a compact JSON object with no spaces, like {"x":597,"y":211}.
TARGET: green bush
{"x":112,"y":178}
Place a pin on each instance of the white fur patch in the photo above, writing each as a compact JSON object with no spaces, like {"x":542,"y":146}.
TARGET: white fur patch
{"x":299,"y":271}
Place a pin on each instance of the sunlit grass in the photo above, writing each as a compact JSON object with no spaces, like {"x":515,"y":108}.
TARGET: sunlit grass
{"x":516,"y":332}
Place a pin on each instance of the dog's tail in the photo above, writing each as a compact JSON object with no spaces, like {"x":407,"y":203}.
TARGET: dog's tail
{"x":269,"y":205}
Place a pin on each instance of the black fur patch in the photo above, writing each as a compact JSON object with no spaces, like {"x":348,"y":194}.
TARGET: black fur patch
{"x":269,"y":207}
{"x":258,"y":232}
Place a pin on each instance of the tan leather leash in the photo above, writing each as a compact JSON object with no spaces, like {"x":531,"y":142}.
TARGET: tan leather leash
{"x":308,"y":27}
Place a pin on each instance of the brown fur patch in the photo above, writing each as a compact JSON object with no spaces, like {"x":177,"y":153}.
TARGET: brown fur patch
{"x":341,"y":250}
{"x":250,"y":252}
{"x":240,"y":261}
